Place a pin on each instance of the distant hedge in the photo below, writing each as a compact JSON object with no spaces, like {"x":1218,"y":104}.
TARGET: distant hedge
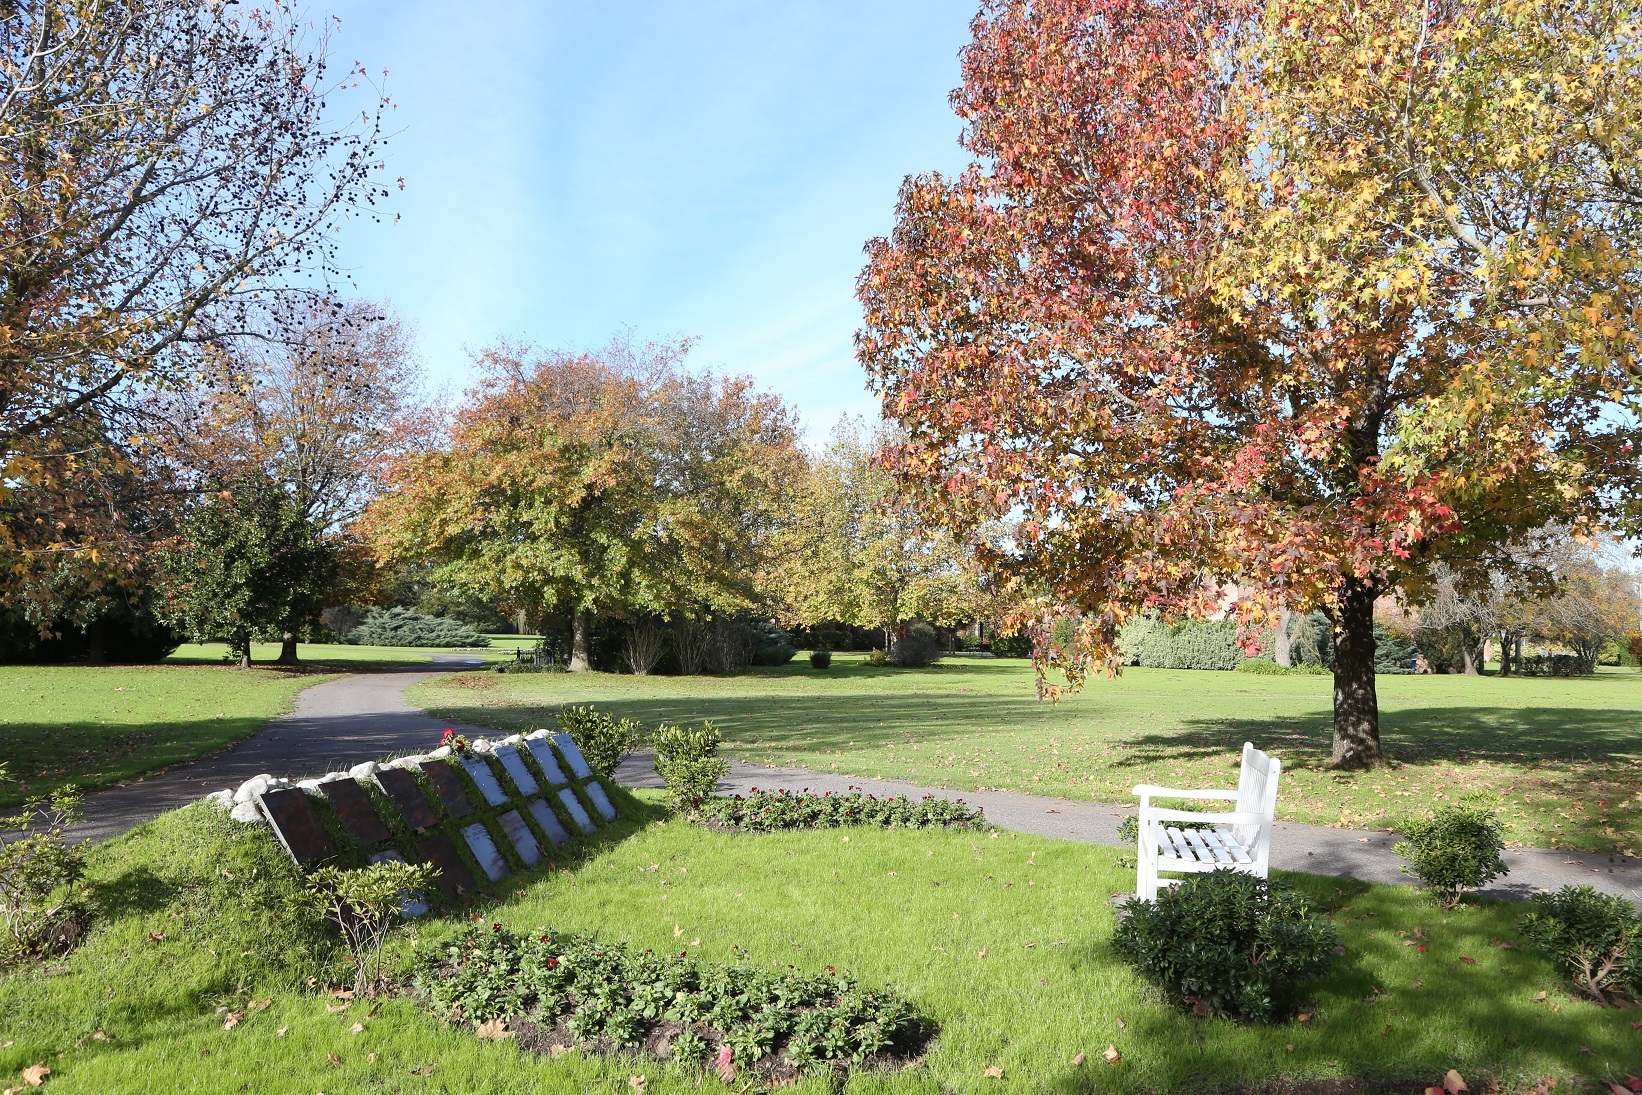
{"x":1206,"y":644}
{"x":401,"y":627}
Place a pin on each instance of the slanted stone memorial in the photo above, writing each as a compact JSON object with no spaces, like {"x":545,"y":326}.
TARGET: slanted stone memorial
{"x":353,"y":805}
{"x":406,"y":795}
{"x":483,"y":778}
{"x":601,"y":801}
{"x":454,"y":878}
{"x":546,"y":761}
{"x":578,"y":812}
{"x":296,"y":823}
{"x":548,"y":822}
{"x":573,"y":756}
{"x":514,"y":765}
{"x":524,"y":842}
{"x":485,"y":852}
{"x":452,"y":795}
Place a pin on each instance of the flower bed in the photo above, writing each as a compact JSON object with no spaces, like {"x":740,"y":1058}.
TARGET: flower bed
{"x":558,"y":991}
{"x":769,"y":811}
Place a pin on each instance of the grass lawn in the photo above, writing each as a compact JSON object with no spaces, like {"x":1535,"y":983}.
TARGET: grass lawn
{"x":1566,"y":755}
{"x":1003,"y":940}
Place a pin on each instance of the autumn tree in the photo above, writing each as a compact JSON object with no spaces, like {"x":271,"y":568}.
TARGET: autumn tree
{"x":1293,"y":300}
{"x":608,"y":484}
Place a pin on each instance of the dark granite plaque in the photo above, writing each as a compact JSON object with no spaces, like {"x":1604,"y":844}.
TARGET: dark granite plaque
{"x":514,"y":764}
{"x":453,"y":878}
{"x":410,"y":904}
{"x":578,"y":812}
{"x":573,"y":756}
{"x":601,"y":801}
{"x":484,"y":850}
{"x":358,"y":813}
{"x":406,"y":794}
{"x":297,"y":824}
{"x":523,"y":842}
{"x":448,"y":787}
{"x":542,"y":750}
{"x":548,"y":821}
{"x":485,"y":780}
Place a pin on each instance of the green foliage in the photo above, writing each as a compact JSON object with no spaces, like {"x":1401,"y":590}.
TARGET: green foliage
{"x":919,"y":647}
{"x":364,"y":903}
{"x":603,"y":739}
{"x":1190,"y":644}
{"x":1128,"y":830}
{"x":248,"y":562}
{"x":1597,"y":936}
{"x":772,"y":645}
{"x":1393,"y":653}
{"x":401,"y":627}
{"x":1012,"y":646}
{"x":820,"y":659}
{"x":1553,"y":665}
{"x":1266,"y":667}
{"x":687,"y":760}
{"x":877,"y":658}
{"x":768,"y":812}
{"x":1228,"y":942}
{"x":1456,"y":849}
{"x":43,"y":903}
{"x":604,"y":990}
{"x":476,"y":613}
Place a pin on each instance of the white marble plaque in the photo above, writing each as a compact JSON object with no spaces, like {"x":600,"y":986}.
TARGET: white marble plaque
{"x":543,"y":752}
{"x":573,"y":756}
{"x":601,"y":801}
{"x":548,"y":821}
{"x":516,"y":770}
{"x":524,"y":842}
{"x":486,"y":780}
{"x":484,"y":850}
{"x":578,"y":812}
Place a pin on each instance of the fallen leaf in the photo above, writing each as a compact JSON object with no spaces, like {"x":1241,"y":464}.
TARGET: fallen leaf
{"x":1303,"y":1017}
{"x":992,"y":1072}
{"x":357,"y":1028}
{"x":1473,"y":961}
{"x":100,"y":1036}
{"x":1112,"y":1055}
{"x":425,"y":1070}
{"x":35,"y":1074}
{"x":1121,"y":1024}
{"x":1416,"y":982}
{"x":1365,"y":840}
{"x":232,"y":1020}
{"x":370,"y":1056}
{"x":724,"y":1064}
{"x":282,"y":1031}
{"x":1200,"y":1009}
{"x":493,"y":1029}
{"x":337,"y":1007}
{"x":205,"y":1053}
{"x":1540,"y":997}
{"x":1454,"y":1083}
{"x":343,"y":994}
{"x":333,"y":1058}
{"x":558,"y":1049}
{"x":696,"y":942}
{"x":846,"y":840}
{"x":1637,"y":1025}
{"x":155,"y":937}
{"x":981,"y":953}
{"x":1289,"y":1047}
{"x":1078,"y":1060}
{"x":677,"y":931}
{"x":637,"y":1082}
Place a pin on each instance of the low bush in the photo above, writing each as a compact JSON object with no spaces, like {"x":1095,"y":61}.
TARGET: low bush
{"x":603,"y":739}
{"x":1268,"y":667}
{"x":1454,"y":850}
{"x":876,"y":657}
{"x":364,"y":905}
{"x":821,"y":659}
{"x":772,"y":645}
{"x":1553,"y":665}
{"x":1597,"y":936}
{"x":1192,"y":644}
{"x":401,"y":627}
{"x":918,"y":648}
{"x":606,"y":997}
{"x":688,"y":763}
{"x":1227,"y":943}
{"x":769,"y":811}
{"x":44,"y":908}
{"x":1012,"y":646}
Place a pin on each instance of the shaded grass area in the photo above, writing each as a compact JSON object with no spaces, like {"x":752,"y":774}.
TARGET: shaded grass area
{"x":1565,"y":755}
{"x":96,"y":725}
{"x":311,"y":655}
{"x":1003,"y":940}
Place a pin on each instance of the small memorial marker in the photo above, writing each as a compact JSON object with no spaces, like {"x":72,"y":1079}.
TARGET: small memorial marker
{"x":448,"y":788}
{"x":523,"y":842}
{"x":488,"y":784}
{"x":358,"y":813}
{"x":543,"y":752}
{"x":601,"y":801}
{"x":409,"y":904}
{"x":405,"y":793}
{"x":454,"y":878}
{"x":297,"y":824}
{"x":573,"y":756}
{"x":578,"y":812}
{"x":516,"y":770}
{"x":484,"y":850}
{"x":548,"y":821}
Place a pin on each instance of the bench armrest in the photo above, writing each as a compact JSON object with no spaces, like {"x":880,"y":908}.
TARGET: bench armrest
{"x":1152,"y":813}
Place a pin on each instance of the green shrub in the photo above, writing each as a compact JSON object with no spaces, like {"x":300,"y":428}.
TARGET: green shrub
{"x":1012,"y":646}
{"x":1597,"y":936}
{"x":43,"y":905}
{"x":917,"y":648}
{"x":688,"y":763}
{"x":400,"y":627}
{"x":1192,"y":644}
{"x":1393,"y":653}
{"x":772,"y":811}
{"x":821,"y":659}
{"x":1456,"y":849}
{"x":772,"y":645}
{"x":877,"y":657}
{"x":603,"y":739}
{"x":1269,"y":668}
{"x":364,"y":904}
{"x":1227,"y":943}
{"x":1553,"y":665}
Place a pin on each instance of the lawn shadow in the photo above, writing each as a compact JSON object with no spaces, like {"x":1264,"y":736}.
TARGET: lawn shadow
{"x":135,"y":890}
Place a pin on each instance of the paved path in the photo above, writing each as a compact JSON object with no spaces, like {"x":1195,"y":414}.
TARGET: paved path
{"x":1344,"y":853}
{"x":337,"y":724}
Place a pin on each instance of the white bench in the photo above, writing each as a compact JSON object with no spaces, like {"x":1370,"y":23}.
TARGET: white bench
{"x":1240,"y":840}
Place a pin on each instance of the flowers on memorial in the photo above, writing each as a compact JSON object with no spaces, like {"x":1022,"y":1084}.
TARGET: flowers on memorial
{"x":456,"y":742}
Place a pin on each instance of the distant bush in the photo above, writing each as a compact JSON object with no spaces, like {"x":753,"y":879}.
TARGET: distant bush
{"x":1269,"y":668}
{"x":1553,"y":665}
{"x":1456,"y":849}
{"x":918,"y":648}
{"x":1393,"y":653}
{"x":1228,"y":943}
{"x":688,"y":763}
{"x":772,"y":645}
{"x":766,"y":811}
{"x":402,"y":627}
{"x":1012,"y":646}
{"x":603,"y":739}
{"x":1191,"y":644}
{"x":876,"y":656}
{"x":820,"y":659}
{"x":1597,"y":936}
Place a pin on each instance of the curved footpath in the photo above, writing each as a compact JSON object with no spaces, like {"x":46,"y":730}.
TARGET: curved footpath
{"x":364,"y":716}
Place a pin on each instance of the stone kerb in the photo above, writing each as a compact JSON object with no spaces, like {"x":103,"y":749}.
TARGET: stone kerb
{"x":482,"y":813}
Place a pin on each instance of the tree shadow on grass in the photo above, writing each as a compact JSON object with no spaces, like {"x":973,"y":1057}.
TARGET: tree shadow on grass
{"x":134,"y":891}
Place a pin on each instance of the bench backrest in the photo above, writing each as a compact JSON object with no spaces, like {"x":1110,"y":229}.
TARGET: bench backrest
{"x":1256,"y":791}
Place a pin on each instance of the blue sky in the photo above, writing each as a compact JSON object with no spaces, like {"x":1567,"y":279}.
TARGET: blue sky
{"x":686,"y":168}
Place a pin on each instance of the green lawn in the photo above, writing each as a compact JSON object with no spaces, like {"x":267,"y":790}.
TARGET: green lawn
{"x":1566,"y":755}
{"x":1004,"y":940}
{"x":313,"y":655}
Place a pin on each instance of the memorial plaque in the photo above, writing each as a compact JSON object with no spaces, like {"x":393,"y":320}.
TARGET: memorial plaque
{"x":523,"y":842}
{"x":516,"y":770}
{"x":448,"y":788}
{"x":543,"y":752}
{"x":410,"y":904}
{"x":578,"y":812}
{"x":454,"y":878}
{"x":406,"y":794}
{"x":484,"y":850}
{"x":548,"y":821}
{"x":488,"y":784}
{"x":297,"y":824}
{"x":601,"y":801}
{"x":358,"y":813}
{"x":573,"y":756}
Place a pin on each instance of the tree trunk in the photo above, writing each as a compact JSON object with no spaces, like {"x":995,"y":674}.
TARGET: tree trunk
{"x":1356,"y":706}
{"x":1283,"y":646}
{"x":1505,"y":654}
{"x":287,"y":649}
{"x":240,"y":643}
{"x":520,"y":621}
{"x":96,"y":644}
{"x":1470,"y":660}
{"x":580,"y":624}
